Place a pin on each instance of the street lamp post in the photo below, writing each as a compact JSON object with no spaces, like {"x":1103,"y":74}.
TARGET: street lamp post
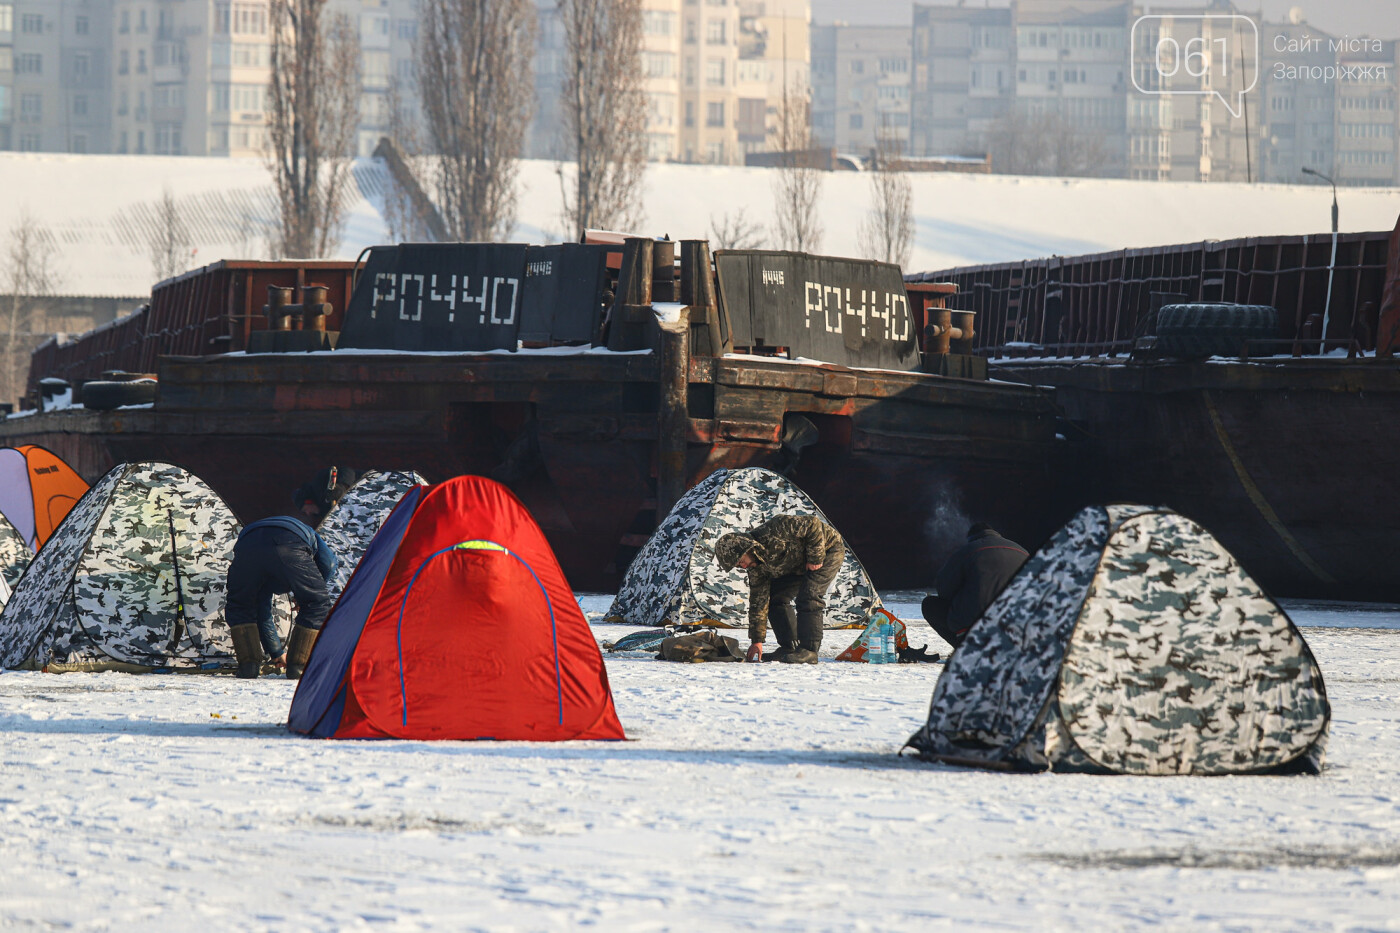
{"x":1331,"y":266}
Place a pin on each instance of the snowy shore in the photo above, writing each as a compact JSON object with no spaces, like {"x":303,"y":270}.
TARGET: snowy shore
{"x":758,"y":797}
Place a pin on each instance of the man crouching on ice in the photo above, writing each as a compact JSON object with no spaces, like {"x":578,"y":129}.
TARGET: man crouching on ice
{"x":786,"y":557}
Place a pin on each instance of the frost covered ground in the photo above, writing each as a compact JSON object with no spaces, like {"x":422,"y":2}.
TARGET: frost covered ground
{"x":750,"y":796}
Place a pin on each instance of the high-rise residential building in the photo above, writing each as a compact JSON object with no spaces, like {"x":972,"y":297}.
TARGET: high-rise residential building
{"x":661,"y":67}
{"x":53,"y":71}
{"x":860,"y":87}
{"x":774,"y":67}
{"x":1295,"y":121}
{"x":963,"y":77}
{"x":709,"y":72}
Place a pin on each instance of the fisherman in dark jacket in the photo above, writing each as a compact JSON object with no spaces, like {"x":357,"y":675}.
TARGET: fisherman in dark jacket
{"x":277,"y":555}
{"x":788,"y":557}
{"x":970,"y":580}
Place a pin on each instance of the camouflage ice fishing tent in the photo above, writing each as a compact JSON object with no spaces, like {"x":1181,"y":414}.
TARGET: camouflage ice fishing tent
{"x":674,"y":579}
{"x":15,"y":555}
{"x":354,"y":520}
{"x":1131,"y":643}
{"x":104,"y":592}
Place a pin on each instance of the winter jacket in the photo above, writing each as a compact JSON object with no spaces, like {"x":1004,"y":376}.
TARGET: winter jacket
{"x":326,"y":561}
{"x":975,"y":576}
{"x":783,"y":547}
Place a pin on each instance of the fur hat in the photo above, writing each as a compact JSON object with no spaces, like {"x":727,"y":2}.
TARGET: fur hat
{"x":731,"y":547}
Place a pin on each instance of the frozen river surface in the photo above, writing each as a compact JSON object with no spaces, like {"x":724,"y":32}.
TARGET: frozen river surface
{"x":750,"y":796}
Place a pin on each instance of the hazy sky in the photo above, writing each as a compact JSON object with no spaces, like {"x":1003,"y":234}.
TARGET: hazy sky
{"x":1379,"y":18}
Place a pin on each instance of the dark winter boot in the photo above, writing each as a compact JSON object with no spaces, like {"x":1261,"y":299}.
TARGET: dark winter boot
{"x":247,"y":649}
{"x":782,"y":652}
{"x":299,"y":649}
{"x":803,"y":655}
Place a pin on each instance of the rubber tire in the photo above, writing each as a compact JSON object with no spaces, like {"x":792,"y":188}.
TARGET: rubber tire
{"x":105,"y":396}
{"x":1196,"y":331}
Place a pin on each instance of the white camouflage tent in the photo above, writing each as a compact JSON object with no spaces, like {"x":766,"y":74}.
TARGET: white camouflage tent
{"x":15,"y":556}
{"x":354,"y":520}
{"x":674,"y":579}
{"x":103,"y":593}
{"x":1131,"y":643}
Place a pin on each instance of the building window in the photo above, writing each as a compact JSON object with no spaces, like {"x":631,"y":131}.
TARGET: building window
{"x":857,"y":67}
{"x":690,"y":113}
{"x":660,"y":64}
{"x":857,"y":121}
{"x":714,"y":152}
{"x":658,"y":22}
{"x":140,"y":20}
{"x":714,"y":72}
{"x":125,"y":21}
{"x":714,"y":32}
{"x":31,"y":108}
{"x":29,"y":142}
{"x":121,"y":146}
{"x":221,"y":19}
{"x":714,"y":113}
{"x":248,"y":97}
{"x":408,"y":29}
{"x":123,"y":62}
{"x":31,"y":23}
{"x":218,"y":98}
{"x":29,"y":63}
{"x":80,"y":26}
{"x":80,"y":105}
{"x":7,"y":17}
{"x":140,"y":142}
{"x":82,"y":65}
{"x":140,"y":61}
{"x":251,"y":20}
{"x":122,"y":103}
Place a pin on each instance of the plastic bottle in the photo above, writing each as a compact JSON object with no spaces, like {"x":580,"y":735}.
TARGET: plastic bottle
{"x":880,"y":651}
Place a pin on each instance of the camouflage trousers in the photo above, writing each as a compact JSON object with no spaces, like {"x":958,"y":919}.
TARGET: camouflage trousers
{"x":797,"y":603}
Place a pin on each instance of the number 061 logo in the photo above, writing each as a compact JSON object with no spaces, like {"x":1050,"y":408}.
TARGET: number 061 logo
{"x":1212,"y":54}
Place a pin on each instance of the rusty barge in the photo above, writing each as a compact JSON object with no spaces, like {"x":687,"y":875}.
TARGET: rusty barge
{"x":1282,"y":444}
{"x":546,"y":368}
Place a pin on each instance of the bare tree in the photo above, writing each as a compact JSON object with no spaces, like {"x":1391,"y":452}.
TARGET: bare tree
{"x":476,"y":82}
{"x":797,"y":184}
{"x":887,"y":233}
{"x":409,"y":213}
{"x":29,"y":276}
{"x":1022,"y":143}
{"x":736,"y":231}
{"x":604,"y":113}
{"x":313,"y":110}
{"x":169,"y":240}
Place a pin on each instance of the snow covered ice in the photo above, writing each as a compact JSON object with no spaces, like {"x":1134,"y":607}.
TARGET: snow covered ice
{"x":750,"y":796}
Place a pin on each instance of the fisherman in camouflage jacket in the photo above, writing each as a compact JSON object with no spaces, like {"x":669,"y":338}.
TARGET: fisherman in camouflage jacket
{"x":791,"y":556}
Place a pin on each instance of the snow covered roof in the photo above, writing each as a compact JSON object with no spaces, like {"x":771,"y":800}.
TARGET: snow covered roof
{"x":102,"y":211}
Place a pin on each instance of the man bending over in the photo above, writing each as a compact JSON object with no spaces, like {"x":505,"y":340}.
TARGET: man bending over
{"x":788,"y":558}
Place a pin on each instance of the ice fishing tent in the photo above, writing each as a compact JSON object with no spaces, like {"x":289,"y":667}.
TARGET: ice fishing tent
{"x":457,"y":624}
{"x":674,"y":579}
{"x":1131,"y":643}
{"x":36,"y":490}
{"x":103,"y":593}
{"x":354,"y":520}
{"x":15,"y":555}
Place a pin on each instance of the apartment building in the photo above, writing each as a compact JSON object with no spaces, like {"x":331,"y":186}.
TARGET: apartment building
{"x":171,"y":77}
{"x":53,"y":68}
{"x":963,"y":81}
{"x":860,"y":87}
{"x":774,"y":66}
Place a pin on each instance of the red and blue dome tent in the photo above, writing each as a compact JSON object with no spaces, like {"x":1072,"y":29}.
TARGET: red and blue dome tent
{"x":457,"y":624}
